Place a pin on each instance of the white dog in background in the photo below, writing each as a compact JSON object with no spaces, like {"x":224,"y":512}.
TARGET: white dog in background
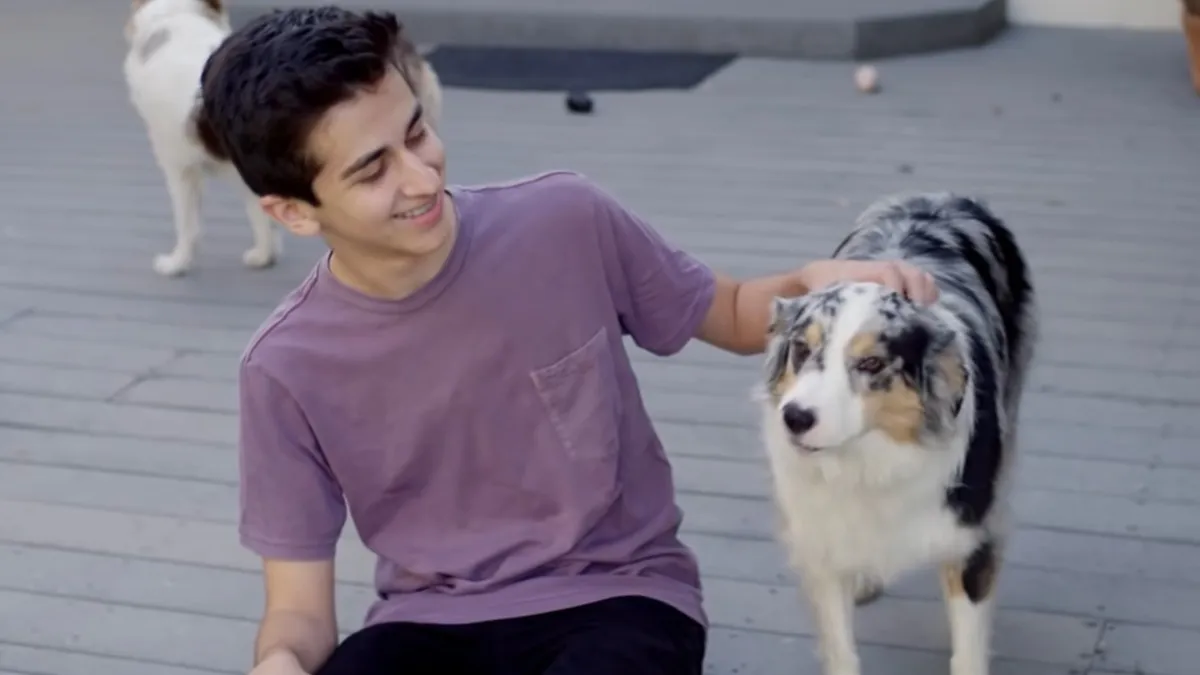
{"x":169,"y":42}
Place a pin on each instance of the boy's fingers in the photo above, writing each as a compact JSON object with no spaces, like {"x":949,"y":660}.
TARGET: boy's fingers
{"x":916,"y":284}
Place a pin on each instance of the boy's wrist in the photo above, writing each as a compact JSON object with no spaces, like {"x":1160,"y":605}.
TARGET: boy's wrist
{"x":279,"y":660}
{"x":798,"y":282}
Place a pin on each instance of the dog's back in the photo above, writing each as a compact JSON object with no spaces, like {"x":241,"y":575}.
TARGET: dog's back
{"x":169,"y":42}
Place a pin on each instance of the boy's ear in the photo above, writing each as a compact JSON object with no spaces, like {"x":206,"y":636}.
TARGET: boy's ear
{"x":298,"y":217}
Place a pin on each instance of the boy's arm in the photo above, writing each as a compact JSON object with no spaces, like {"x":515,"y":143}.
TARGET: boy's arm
{"x":292,"y":512}
{"x":666,"y":297}
{"x":298,"y":630}
{"x":740,"y":311}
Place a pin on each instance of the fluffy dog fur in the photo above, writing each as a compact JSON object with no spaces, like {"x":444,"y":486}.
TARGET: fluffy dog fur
{"x":891,"y":427}
{"x":169,"y":42}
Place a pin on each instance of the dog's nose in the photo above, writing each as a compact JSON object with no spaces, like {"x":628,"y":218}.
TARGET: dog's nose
{"x":798,"y":420}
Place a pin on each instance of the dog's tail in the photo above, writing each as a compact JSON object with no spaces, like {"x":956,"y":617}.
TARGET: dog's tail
{"x":206,"y":134}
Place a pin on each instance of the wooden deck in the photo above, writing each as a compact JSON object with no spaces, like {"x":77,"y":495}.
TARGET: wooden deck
{"x":118,"y":497}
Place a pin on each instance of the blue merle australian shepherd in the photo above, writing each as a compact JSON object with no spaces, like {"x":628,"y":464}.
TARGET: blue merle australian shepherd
{"x":891,"y":427}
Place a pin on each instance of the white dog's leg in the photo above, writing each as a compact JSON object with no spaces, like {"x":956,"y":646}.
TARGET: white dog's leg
{"x":967,"y":589}
{"x":267,"y":243}
{"x":184,"y":188}
{"x":832,"y":599}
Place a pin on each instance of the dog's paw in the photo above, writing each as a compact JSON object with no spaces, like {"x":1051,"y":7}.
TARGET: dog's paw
{"x":259,"y":258}
{"x":171,"y":264}
{"x":844,"y":665}
{"x":975,"y":665}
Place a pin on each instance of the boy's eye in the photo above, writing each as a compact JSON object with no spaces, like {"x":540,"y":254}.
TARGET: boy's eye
{"x":377,"y":170}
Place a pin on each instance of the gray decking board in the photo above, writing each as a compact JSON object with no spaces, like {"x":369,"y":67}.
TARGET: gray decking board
{"x":118,"y":552}
{"x":817,"y":29}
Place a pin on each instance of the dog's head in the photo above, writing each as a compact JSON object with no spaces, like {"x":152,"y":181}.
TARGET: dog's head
{"x":145,"y":10}
{"x":856,"y":359}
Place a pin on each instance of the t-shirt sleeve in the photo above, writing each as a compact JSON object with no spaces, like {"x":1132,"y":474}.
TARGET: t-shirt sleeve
{"x":661,"y":292}
{"x":291,"y":505}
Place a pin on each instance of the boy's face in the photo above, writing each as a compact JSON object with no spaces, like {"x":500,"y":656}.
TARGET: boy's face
{"x":382,"y":182}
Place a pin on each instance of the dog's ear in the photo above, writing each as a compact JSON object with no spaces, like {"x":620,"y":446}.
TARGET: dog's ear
{"x":944,"y":381}
{"x":775,"y":370}
{"x":779,"y":311}
{"x":783,"y":314}
{"x":217,"y":6}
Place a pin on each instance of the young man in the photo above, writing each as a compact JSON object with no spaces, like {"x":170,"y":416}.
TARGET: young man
{"x":452,"y":375}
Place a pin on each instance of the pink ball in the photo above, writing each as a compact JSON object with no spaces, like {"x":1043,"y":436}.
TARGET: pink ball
{"x":866,"y":78}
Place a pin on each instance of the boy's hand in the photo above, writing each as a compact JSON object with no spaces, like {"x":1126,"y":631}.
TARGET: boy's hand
{"x":280,"y":662}
{"x":913,"y":282}
{"x":738,"y":318}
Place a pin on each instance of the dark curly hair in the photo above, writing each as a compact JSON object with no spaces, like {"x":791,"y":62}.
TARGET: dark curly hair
{"x":265,"y":88}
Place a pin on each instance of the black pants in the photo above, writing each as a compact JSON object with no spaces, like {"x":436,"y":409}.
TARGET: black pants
{"x":621,"y":636}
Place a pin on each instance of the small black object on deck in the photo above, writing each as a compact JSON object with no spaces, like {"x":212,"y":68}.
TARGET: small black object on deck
{"x":579,"y":102}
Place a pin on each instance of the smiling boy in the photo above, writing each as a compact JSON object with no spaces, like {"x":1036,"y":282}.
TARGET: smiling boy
{"x":452,"y":375}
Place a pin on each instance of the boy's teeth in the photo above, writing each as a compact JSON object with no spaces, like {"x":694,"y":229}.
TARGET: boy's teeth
{"x":418,"y":211}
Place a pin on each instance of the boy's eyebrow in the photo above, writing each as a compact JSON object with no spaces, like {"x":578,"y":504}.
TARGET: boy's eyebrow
{"x":365,"y":160}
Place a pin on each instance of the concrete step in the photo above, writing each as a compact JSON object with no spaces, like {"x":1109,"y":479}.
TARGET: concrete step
{"x":800,"y":29}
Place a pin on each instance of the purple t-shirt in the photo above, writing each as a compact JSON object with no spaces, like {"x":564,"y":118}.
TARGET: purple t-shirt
{"x":486,"y":434}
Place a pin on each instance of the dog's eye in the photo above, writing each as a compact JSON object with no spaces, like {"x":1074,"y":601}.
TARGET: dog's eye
{"x":870,"y":365}
{"x":799,"y":353}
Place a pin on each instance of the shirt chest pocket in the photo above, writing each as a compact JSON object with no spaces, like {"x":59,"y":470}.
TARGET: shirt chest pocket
{"x":581,"y":396}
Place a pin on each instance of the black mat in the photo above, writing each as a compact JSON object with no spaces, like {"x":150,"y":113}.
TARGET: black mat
{"x":538,"y":69}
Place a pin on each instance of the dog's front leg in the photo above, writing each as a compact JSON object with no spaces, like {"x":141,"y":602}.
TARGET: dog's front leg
{"x":268,"y":245}
{"x":968,"y":591}
{"x":832,"y":600}
{"x":184,"y":187}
